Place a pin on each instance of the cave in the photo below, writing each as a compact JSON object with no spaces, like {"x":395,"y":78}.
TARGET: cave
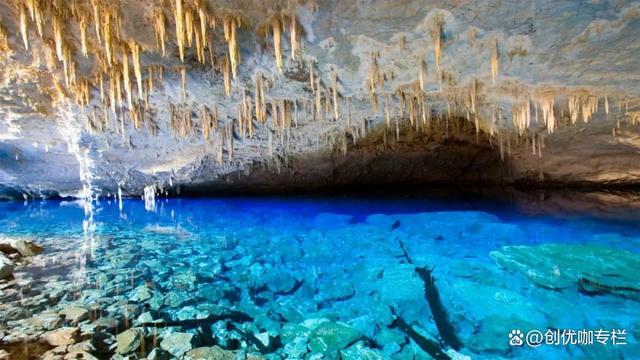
{"x":319,"y":179}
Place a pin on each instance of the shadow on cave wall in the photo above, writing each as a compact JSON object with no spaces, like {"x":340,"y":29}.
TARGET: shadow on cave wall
{"x":439,"y":156}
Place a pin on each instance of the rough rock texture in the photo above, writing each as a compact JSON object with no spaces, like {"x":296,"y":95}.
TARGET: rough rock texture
{"x":501,"y":54}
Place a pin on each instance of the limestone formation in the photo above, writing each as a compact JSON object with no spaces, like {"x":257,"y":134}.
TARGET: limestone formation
{"x":183,"y":92}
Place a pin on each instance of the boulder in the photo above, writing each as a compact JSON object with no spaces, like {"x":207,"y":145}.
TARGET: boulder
{"x":360,"y":352}
{"x":591,"y":268}
{"x":61,"y":336}
{"x":279,"y":282}
{"x":297,"y":348}
{"x":332,"y":337}
{"x":140,"y":294}
{"x":6,"y":267}
{"x":209,"y":353}
{"x":48,"y":320}
{"x":177,"y":343}
{"x":20,"y":246}
{"x":129,"y":340}
{"x":75,"y":314}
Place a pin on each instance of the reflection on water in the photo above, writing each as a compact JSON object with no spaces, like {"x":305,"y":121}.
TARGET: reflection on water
{"x":309,"y":278}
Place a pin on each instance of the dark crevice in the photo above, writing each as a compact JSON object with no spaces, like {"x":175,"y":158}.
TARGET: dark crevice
{"x":439,"y":312}
{"x":440,"y":316}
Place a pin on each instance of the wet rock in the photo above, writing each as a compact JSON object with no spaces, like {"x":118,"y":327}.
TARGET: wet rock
{"x":297,"y":348}
{"x":279,"y":282}
{"x":61,"y":336}
{"x":335,"y":291}
{"x":331,"y":337}
{"x":491,"y":336}
{"x":401,"y":288}
{"x":48,"y":321}
{"x":20,"y":246}
{"x":592,"y":268}
{"x":223,"y":242}
{"x":185,"y":280}
{"x":190,"y":312}
{"x":129,"y":340}
{"x":178,"y":343}
{"x":158,"y":354}
{"x":6,"y":267}
{"x":209,"y":353}
{"x":176,"y":299}
{"x":140,"y":294}
{"x":244,"y":261}
{"x":211,"y":292}
{"x":360,"y":352}
{"x":75,"y":314}
{"x":144,"y":318}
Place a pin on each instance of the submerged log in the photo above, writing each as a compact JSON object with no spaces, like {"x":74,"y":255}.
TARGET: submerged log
{"x":439,"y":312}
{"x":429,"y":346}
{"x":192,"y":323}
{"x":440,"y":316}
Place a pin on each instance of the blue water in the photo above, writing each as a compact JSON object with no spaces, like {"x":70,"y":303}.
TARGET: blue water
{"x":291,"y":262}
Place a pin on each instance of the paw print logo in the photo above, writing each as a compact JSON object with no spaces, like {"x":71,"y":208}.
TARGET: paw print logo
{"x":515,"y":338}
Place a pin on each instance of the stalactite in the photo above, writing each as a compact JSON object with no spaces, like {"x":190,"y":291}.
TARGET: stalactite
{"x":226,"y":73}
{"x":180,"y":30}
{"x":106,"y":30}
{"x":95,"y":6}
{"x":230,"y":24}
{"x":606,"y":105}
{"x":4,"y":40}
{"x":159,"y":25}
{"x":387,"y":110}
{"x":24,"y":30}
{"x":277,"y":45}
{"x":421,"y":73}
{"x":183,"y":82}
{"x":436,"y":35}
{"x":293,"y":32}
{"x":58,"y":37}
{"x":126,"y":78}
{"x":495,"y":60}
{"x":83,"y":36}
{"x":311,"y":79}
{"x":137,"y":67}
{"x":189,"y":25}
{"x":334,"y":89}
{"x":546,"y":104}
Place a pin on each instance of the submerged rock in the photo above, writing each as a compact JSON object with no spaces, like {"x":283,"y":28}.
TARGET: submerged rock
{"x":331,"y":337}
{"x":209,"y":353}
{"x":178,"y":343}
{"x":6,"y":267}
{"x":75,"y":314}
{"x":593,"y":269}
{"x":48,"y":320}
{"x":21,"y":246}
{"x":360,"y":352}
{"x":61,"y":336}
{"x":279,"y":282}
{"x":297,"y":348}
{"x":129,"y":340}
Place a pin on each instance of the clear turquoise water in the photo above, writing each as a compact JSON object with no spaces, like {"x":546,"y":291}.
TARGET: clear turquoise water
{"x":285,"y":261}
